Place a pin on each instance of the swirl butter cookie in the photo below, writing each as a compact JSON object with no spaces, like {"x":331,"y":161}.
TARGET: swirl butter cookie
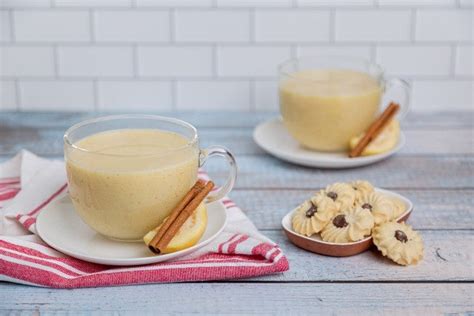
{"x":381,"y":207}
{"x":342,"y":194}
{"x":399,"y":242}
{"x":352,"y":224}
{"x":313,"y":215}
{"x":361,"y":188}
{"x":399,"y":208}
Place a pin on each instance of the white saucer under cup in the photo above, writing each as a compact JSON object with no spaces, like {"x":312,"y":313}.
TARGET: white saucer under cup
{"x":61,"y":228}
{"x":273,"y":137}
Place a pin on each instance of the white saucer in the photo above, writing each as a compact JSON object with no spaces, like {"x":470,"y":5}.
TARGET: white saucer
{"x":273,"y":137}
{"x":61,"y":228}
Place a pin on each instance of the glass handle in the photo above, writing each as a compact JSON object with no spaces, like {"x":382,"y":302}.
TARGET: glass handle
{"x":405,"y":100}
{"x":219,"y":151}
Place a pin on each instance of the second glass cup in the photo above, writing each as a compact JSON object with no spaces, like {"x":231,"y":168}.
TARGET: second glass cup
{"x":324,"y":101}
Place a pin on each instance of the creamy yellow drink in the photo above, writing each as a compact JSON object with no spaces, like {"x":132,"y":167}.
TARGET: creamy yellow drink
{"x":123,"y":183}
{"x":323,"y":109}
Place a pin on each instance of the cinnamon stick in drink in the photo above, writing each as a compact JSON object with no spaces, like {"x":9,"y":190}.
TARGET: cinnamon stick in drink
{"x":159,"y":243}
{"x":375,"y":128}
{"x":198,"y":186}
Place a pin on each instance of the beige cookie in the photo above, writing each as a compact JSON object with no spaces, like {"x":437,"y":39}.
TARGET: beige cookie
{"x":399,"y":242}
{"x":340,"y":193}
{"x":381,"y":207}
{"x":350,"y":225}
{"x":313,"y":215}
{"x":399,"y":208}
{"x":361,"y":188}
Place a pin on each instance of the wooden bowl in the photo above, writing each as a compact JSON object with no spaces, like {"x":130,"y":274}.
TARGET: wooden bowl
{"x":316,"y":245}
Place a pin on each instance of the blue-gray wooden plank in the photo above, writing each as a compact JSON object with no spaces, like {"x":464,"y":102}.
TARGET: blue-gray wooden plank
{"x":244,"y":298}
{"x":48,"y":140}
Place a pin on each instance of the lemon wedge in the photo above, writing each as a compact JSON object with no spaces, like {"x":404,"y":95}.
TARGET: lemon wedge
{"x":384,"y":142}
{"x":188,"y":235}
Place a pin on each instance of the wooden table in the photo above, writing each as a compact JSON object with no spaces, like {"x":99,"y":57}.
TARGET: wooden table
{"x":435,"y":170}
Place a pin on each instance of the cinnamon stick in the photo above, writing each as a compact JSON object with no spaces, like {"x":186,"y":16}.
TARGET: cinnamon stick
{"x":157,"y":245}
{"x":198,"y":186}
{"x":375,"y":128}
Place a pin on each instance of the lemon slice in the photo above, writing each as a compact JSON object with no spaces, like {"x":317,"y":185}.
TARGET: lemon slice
{"x":384,"y":142}
{"x":188,"y":235}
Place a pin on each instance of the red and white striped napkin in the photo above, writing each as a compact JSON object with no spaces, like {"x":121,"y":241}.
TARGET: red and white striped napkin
{"x":28,"y":183}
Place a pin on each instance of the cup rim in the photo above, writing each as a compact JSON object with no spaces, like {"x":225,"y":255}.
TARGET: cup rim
{"x":368,"y":63}
{"x":192,"y":141}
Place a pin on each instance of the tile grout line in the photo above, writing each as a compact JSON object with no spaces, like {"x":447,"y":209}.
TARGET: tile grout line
{"x":346,"y":8}
{"x":174,"y":95}
{"x":12,"y":26}
{"x":454,"y":51}
{"x":18,"y":106}
{"x":295,"y":50}
{"x":172,"y":25}
{"x":252,"y":98}
{"x":373,"y":52}
{"x":92,"y":26}
{"x":460,"y":78}
{"x":413,"y":20}
{"x":235,"y":44}
{"x":95,"y":91}
{"x":332,"y":26}
{"x":56,"y":60}
{"x":172,"y":40}
{"x":16,"y":82}
{"x":252,"y":30}
{"x":214,"y":65}
{"x":135,"y":61}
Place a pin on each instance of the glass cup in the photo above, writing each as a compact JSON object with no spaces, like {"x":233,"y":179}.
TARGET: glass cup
{"x":122,"y":192}
{"x":325,"y":101}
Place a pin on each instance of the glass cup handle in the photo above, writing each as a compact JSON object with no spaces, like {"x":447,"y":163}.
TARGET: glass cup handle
{"x":405,"y":101}
{"x":219,"y":151}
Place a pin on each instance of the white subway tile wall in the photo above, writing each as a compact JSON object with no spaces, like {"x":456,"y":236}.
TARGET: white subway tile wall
{"x":27,"y":61}
{"x":51,"y":26}
{"x":127,"y":26}
{"x":266,"y":95}
{"x":5,"y":26}
{"x":254,"y":3}
{"x":415,"y":60}
{"x":7,"y":95}
{"x":135,"y":95}
{"x":174,"y":3}
{"x":292,"y":25}
{"x":373,"y":25}
{"x":214,"y":95}
{"x":56,"y":95}
{"x":89,"y":3}
{"x":417,"y":2}
{"x":444,"y":25}
{"x":464,"y":60}
{"x":25,"y":3}
{"x":175,"y":61}
{"x":304,"y":3}
{"x":363,"y":51}
{"x":241,"y":61}
{"x":95,"y":61}
{"x":211,"y":25}
{"x":158,"y":55}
